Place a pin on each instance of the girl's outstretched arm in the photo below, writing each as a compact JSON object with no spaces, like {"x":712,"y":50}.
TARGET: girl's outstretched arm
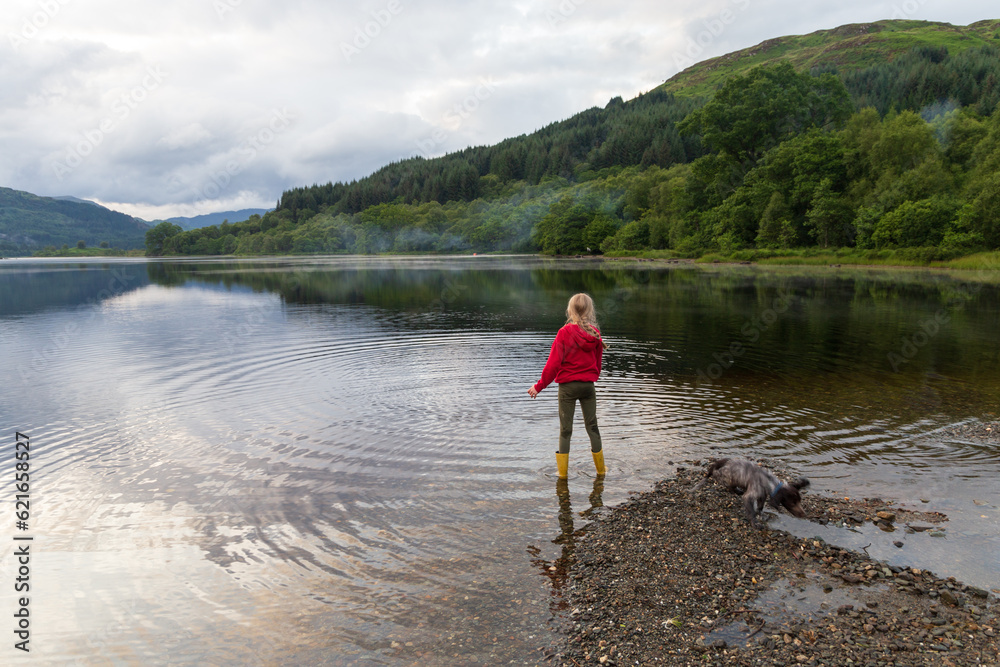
{"x":556,"y":355}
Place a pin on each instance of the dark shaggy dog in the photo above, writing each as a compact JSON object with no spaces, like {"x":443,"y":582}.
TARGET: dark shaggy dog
{"x":758,"y":484}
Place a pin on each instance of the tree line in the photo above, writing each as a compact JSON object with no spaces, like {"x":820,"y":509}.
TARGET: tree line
{"x":899,"y":155}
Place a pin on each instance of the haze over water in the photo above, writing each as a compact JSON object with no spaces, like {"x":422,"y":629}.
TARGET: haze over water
{"x":335,"y":460}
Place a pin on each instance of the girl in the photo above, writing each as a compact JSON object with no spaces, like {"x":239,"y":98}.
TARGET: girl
{"x":575,"y":364}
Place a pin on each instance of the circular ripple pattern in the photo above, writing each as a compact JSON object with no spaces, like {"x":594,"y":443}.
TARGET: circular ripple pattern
{"x":240,"y":475}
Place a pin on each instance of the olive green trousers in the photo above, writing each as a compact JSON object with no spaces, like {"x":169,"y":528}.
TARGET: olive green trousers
{"x":569,"y":394}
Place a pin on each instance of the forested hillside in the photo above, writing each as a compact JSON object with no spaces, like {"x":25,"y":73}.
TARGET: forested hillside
{"x":847,"y":150}
{"x":639,"y":132}
{"x":29,"y":223}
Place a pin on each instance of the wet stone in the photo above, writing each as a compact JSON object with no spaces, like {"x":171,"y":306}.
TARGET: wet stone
{"x":949,"y":598}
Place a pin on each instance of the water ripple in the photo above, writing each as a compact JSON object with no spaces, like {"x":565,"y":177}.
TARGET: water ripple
{"x":248,"y":469}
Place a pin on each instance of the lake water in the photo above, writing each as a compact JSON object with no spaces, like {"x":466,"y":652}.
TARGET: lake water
{"x":335,"y":460}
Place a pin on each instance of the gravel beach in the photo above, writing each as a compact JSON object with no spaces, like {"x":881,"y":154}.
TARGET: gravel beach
{"x":674,"y":579}
{"x":977,"y":431}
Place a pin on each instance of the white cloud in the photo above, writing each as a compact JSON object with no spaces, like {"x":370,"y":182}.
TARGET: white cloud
{"x":190,"y":135}
{"x":367,"y":83}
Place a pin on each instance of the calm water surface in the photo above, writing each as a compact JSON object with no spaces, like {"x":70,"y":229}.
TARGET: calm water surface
{"x":335,"y":461}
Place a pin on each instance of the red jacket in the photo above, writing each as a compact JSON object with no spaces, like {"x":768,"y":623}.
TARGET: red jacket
{"x":575,"y":357}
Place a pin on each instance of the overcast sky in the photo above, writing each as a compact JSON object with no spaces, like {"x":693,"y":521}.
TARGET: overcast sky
{"x":161,"y":109}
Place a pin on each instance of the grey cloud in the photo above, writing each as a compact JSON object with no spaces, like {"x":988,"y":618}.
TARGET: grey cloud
{"x":412,"y":82}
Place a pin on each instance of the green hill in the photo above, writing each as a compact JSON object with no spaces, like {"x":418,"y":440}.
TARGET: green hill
{"x":29,"y":223}
{"x":845,"y":49}
{"x":877,"y":138}
{"x":887,"y":65}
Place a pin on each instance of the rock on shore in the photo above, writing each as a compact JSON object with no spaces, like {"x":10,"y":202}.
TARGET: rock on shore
{"x":668,"y":578}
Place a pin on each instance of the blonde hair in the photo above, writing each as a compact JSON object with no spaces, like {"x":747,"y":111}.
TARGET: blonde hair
{"x":580,"y":311}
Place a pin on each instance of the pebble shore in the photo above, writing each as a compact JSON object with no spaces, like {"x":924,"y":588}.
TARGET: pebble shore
{"x":675,"y":579}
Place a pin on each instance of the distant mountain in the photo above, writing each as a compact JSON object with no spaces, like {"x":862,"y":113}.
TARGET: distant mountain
{"x":29,"y":223}
{"x":210,"y":219}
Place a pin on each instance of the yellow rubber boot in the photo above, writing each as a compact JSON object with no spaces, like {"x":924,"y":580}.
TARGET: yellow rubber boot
{"x":599,"y":463}
{"x":562,"y":464}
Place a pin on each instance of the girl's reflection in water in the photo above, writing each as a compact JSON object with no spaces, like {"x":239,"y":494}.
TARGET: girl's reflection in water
{"x":558,"y":570}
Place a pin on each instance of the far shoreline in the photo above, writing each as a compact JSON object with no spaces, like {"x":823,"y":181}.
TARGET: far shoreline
{"x":979,"y":262}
